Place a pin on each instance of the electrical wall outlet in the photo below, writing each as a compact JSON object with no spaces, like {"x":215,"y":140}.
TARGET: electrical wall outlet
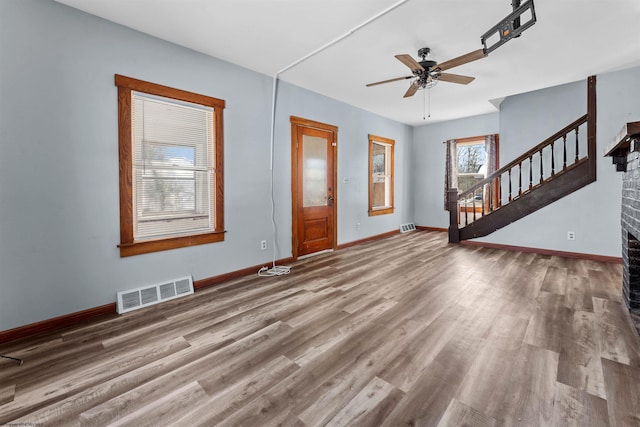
{"x":571,"y":235}
{"x":357,"y":225}
{"x":263,"y":245}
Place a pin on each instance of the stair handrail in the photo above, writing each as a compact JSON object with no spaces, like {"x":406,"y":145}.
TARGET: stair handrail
{"x":564,"y":131}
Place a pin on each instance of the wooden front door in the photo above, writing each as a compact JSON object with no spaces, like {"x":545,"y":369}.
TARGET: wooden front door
{"x":313,"y":186}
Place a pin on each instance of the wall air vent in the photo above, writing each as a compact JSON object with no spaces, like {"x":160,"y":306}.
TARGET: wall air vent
{"x":145,"y":296}
{"x":405,"y":228}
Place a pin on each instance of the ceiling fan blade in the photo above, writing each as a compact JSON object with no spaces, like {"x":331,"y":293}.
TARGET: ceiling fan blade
{"x":409,"y":62}
{"x":456,"y":78}
{"x":412,"y":90}
{"x":389,"y":81}
{"x":467,"y":57}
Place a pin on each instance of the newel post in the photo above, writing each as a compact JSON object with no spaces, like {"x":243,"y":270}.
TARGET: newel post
{"x":452,"y":204}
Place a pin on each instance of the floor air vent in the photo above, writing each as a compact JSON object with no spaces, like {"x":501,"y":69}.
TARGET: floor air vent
{"x":405,"y":228}
{"x":145,"y":296}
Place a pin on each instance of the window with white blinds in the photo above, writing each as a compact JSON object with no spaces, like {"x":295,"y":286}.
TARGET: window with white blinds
{"x":170,"y":150}
{"x":172,"y":167}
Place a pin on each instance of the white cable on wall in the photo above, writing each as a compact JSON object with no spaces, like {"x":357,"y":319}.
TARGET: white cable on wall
{"x":274,"y":270}
{"x":280,"y":270}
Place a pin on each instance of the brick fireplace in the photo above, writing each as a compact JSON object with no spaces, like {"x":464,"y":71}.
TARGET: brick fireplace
{"x":631,"y":272}
{"x":625,"y":152}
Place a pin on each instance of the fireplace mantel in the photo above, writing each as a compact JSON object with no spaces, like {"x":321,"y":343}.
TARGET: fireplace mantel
{"x":627,"y":140}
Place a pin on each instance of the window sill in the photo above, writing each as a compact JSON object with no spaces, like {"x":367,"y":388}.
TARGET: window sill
{"x":380,"y":211}
{"x":148,"y":246}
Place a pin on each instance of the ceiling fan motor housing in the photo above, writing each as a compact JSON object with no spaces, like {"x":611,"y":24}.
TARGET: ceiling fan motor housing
{"x":427,"y":64}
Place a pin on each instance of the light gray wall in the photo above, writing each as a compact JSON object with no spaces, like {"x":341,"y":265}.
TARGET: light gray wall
{"x":524,"y":120}
{"x":593,"y":212}
{"x":59,"y":215}
{"x":429,"y":168}
{"x":353,"y":147}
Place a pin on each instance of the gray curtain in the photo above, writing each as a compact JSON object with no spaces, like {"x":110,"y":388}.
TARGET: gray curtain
{"x":450,"y":169}
{"x":490,"y":149}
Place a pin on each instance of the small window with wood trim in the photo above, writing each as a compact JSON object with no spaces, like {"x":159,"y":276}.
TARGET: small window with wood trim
{"x":380,"y":175}
{"x":170,"y":145}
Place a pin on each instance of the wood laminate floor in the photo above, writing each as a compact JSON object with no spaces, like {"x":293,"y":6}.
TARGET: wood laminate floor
{"x":408,"y":330}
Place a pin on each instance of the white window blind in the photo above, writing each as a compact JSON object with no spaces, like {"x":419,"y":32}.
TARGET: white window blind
{"x":172,"y":167}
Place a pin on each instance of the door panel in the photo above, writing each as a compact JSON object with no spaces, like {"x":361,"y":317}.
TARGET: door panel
{"x":316,"y":228}
{"x":314,"y":187}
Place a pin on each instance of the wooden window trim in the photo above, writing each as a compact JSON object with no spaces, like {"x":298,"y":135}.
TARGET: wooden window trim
{"x":128,"y":246}
{"x":391,"y":142}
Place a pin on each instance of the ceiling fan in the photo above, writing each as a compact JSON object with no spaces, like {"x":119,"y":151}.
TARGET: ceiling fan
{"x":427,"y":73}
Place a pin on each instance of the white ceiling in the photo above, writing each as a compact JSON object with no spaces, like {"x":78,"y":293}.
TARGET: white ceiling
{"x":571,"y":40}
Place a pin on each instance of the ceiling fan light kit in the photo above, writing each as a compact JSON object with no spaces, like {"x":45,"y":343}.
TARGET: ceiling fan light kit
{"x":426,"y":73}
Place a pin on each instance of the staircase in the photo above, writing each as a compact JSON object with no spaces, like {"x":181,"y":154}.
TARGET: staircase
{"x":555,"y":168}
